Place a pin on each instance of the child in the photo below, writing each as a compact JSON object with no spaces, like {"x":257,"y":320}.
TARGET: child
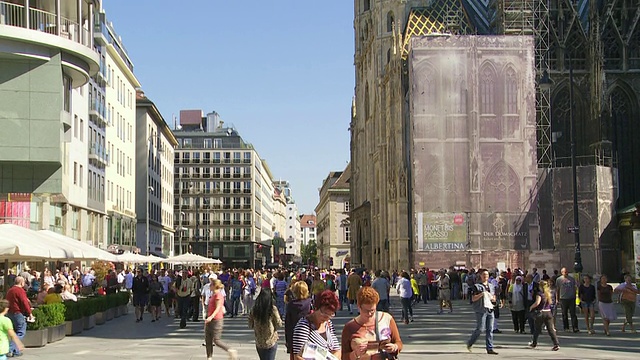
{"x":6,"y":331}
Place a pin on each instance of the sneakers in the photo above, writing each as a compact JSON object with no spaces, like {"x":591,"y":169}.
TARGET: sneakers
{"x":491,"y":352}
{"x":233,"y":354}
{"x":532,"y":344}
{"x":555,"y":348}
{"x":497,"y":331}
{"x":468,"y":348}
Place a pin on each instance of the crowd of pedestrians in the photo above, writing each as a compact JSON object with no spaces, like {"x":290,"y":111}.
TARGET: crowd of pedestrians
{"x":304,"y":302}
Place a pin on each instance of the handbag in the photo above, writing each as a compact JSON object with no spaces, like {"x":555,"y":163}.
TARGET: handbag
{"x":383,"y":354}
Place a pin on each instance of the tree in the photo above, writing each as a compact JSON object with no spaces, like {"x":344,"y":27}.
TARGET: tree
{"x":309,"y":253}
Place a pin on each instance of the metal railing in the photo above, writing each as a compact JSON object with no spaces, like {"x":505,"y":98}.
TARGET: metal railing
{"x":44,"y":21}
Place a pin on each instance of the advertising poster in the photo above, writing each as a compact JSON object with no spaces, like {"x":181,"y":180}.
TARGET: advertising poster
{"x":442,"y":231}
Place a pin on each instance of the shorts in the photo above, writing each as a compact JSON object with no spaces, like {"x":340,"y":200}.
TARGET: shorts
{"x":140,"y":299}
{"x":156,"y":300}
{"x":587,"y":304}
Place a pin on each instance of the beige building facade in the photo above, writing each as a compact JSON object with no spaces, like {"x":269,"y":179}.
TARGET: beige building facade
{"x":333,"y":227}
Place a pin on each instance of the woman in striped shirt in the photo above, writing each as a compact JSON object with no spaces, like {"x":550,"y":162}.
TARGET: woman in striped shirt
{"x":317,"y":329}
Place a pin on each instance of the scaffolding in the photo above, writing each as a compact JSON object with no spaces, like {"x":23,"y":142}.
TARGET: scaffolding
{"x":531,"y":17}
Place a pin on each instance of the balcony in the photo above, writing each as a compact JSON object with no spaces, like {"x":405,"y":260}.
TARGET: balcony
{"x":246,"y":176}
{"x":98,"y":155}
{"x":44,"y":21}
{"x":237,"y":191}
{"x":98,"y":112}
{"x":226,"y":222}
{"x":236,"y":176}
{"x":246,"y":207}
{"x":206,"y":161}
{"x":236,"y":206}
{"x":185,"y":175}
{"x":101,"y":76}
{"x":246,"y":222}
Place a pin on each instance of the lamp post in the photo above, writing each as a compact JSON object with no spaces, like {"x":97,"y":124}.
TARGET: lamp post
{"x":577,"y":262}
{"x":182,"y":215}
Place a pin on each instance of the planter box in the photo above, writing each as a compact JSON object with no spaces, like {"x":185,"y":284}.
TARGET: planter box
{"x":56,"y":333}
{"x":124,"y":309}
{"x":117,"y":312}
{"x":88,"y":322}
{"x":101,"y":318}
{"x":73,"y":327}
{"x":110,"y":313}
{"x":35,"y":338}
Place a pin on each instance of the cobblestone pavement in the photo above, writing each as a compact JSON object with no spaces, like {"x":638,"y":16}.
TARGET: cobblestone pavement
{"x":429,"y":336}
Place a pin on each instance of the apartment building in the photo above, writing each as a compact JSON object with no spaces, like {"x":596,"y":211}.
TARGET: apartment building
{"x":120,"y":134}
{"x":223,"y":193}
{"x":333,"y":228}
{"x":155,"y":144}
{"x":51,"y":176}
{"x":308,"y":228}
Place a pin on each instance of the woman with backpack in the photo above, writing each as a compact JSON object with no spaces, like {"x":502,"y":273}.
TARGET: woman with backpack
{"x":541,"y":310}
{"x":265,"y":320}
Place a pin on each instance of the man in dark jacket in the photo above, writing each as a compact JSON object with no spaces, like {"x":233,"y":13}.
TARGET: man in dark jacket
{"x":140,"y":291}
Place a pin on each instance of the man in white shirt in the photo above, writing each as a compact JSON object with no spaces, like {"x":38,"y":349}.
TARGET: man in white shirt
{"x":128,"y":280}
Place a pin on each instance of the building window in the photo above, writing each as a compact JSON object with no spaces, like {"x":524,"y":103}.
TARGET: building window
{"x":367,"y":5}
{"x":208,"y":143}
{"x":217,"y":143}
{"x":512,"y":91}
{"x":75,"y":173}
{"x":487,"y":86}
{"x":187,"y":143}
{"x":347,"y":206}
{"x":247,"y":157}
{"x":389,"y":21}
{"x":66,"y":93}
{"x":347,"y":234}
{"x":81,"y":171}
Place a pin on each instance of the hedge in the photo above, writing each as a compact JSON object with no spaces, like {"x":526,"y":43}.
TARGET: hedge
{"x":72,"y":311}
{"x":40,"y":322}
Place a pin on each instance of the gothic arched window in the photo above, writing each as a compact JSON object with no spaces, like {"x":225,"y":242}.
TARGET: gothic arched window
{"x":511,"y":88}
{"x":487,"y":90}
{"x":389,"y":21}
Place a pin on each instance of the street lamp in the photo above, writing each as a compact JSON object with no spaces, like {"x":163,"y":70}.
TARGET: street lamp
{"x":181,"y":229}
{"x":149,"y":188}
{"x":577,"y":262}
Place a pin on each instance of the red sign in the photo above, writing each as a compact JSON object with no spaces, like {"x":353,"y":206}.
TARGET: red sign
{"x":458,"y":219}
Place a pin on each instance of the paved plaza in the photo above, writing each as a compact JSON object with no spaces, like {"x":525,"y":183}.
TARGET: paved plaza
{"x":430,"y":335}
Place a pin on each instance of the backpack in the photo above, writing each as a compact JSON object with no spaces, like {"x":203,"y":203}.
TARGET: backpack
{"x":331,"y":285}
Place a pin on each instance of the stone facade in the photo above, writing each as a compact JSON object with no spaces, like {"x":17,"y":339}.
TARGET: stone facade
{"x":472,"y":148}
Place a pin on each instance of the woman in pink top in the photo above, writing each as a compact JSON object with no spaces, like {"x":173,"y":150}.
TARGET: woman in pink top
{"x":214,"y":322}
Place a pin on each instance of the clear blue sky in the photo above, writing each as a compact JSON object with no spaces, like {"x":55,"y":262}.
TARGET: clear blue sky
{"x":280,"y":71}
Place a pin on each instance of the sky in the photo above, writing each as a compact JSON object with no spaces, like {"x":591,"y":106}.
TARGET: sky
{"x":280,"y":71}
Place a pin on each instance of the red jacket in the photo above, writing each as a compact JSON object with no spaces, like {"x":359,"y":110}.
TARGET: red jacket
{"x":18,"y":301}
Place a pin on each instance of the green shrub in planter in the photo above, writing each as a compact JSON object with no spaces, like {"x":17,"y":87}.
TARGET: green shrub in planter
{"x":54,"y":314}
{"x":112,"y":301}
{"x":41,"y":320}
{"x":87,"y":306}
{"x":100,"y":303}
{"x":123,"y":297}
{"x":72,"y":311}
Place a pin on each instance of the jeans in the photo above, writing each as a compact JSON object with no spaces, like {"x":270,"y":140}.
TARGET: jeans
{"x":268,"y":354}
{"x":483,"y":320}
{"x":424,"y":293}
{"x":212,"y":335}
{"x":195,"y":306}
{"x":383,"y":305}
{"x":183,"y":307}
{"x":235,"y":305}
{"x":546,"y":318}
{"x":406,"y":308}
{"x":20,"y":327}
{"x":342,"y":296}
{"x":455,"y":291}
{"x":569,"y":306}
